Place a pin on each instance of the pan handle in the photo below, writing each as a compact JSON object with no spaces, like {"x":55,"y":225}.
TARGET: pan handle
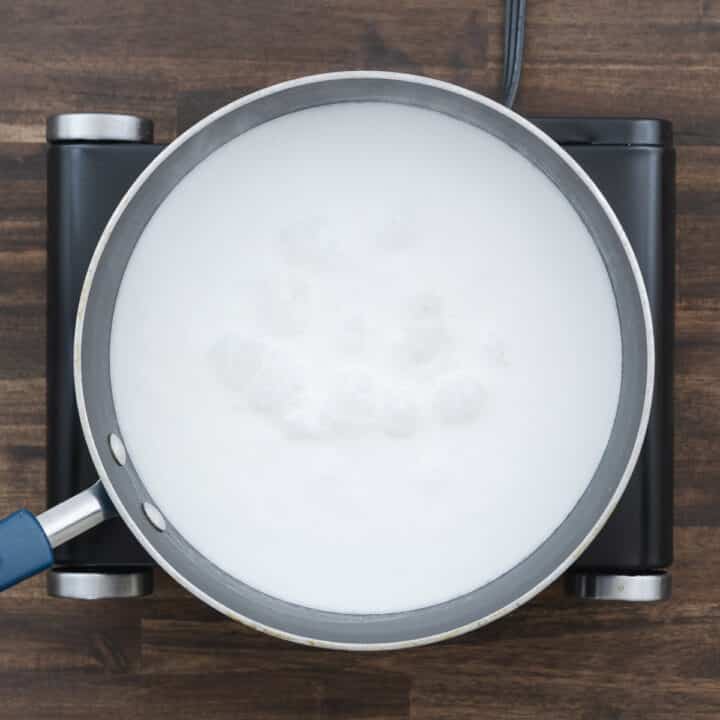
{"x":26,"y":541}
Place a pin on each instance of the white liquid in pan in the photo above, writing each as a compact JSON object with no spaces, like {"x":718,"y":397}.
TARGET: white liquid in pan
{"x":366,"y":358}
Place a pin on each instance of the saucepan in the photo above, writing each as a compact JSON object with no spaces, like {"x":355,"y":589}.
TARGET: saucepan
{"x":27,"y":542}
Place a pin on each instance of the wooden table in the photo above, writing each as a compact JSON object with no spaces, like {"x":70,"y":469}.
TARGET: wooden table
{"x":169,"y":656}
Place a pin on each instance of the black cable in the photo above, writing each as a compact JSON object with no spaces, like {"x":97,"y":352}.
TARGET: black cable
{"x":514,"y":44}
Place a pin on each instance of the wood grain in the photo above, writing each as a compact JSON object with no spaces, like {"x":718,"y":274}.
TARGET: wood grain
{"x":169,"y":656}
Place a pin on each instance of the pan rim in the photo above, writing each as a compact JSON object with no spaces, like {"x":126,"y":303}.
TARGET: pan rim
{"x":141,"y":535}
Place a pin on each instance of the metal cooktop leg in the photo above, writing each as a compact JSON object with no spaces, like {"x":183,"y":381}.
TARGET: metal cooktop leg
{"x":93,"y":158}
{"x":96,"y":585}
{"x":651,"y":587}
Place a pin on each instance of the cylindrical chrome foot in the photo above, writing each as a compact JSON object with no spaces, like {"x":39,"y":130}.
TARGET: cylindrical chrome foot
{"x":98,"y":127}
{"x":628,"y":588}
{"x":83,"y":585}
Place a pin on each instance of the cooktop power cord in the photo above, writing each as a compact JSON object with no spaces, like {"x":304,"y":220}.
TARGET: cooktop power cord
{"x":514,"y":44}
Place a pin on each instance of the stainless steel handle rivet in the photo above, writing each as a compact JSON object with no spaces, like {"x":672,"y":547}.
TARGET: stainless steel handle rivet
{"x":154,"y":516}
{"x":117,"y":448}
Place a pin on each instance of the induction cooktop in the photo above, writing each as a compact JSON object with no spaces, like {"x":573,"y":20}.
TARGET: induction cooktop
{"x":94,"y":158}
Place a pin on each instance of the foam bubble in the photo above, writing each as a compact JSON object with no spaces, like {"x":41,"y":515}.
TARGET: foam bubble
{"x":285,"y":309}
{"x":352,"y":335}
{"x":427,"y":305}
{"x":396,"y":236}
{"x":424,"y":342}
{"x":352,"y":404}
{"x":400,"y":415}
{"x":308,"y":243}
{"x":459,"y":399}
{"x":235,"y":360}
{"x":304,"y":421}
{"x":277,"y":385}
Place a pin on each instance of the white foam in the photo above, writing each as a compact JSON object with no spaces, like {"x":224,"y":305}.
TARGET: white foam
{"x":459,"y":399}
{"x":365,"y":357}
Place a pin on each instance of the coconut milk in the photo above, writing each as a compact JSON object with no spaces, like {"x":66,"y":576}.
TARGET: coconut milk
{"x":366,"y":358}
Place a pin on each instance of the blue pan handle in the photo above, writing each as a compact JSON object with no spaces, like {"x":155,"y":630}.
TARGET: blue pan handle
{"x":24,"y":548}
{"x":27,"y":542}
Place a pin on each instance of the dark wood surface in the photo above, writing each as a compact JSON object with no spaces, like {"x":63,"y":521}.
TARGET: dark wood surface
{"x":169,"y":656}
